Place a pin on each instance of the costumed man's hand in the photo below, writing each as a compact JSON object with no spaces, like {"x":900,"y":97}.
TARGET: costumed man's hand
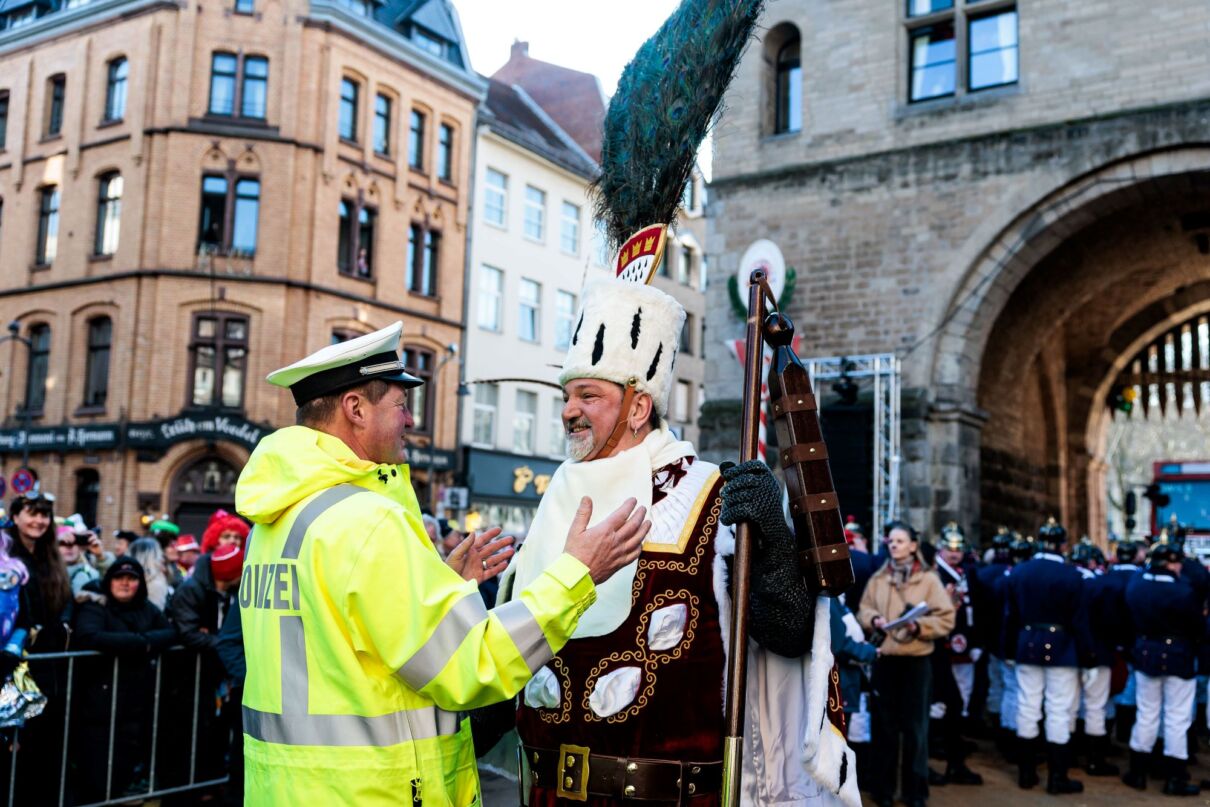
{"x":482,"y":555}
{"x":782,"y":610}
{"x":612,"y":544}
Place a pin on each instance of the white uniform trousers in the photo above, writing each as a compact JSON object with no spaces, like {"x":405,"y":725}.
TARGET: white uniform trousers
{"x":1094,"y":694}
{"x":1059,"y":689}
{"x":1173,"y":698}
{"x":964,"y":677}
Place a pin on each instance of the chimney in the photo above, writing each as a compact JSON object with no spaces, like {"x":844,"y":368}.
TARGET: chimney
{"x":520,"y":50}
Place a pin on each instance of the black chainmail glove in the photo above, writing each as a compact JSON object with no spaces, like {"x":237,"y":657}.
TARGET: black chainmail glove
{"x":782,"y":611}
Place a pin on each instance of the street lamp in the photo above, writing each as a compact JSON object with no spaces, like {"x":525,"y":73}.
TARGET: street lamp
{"x":14,"y":335}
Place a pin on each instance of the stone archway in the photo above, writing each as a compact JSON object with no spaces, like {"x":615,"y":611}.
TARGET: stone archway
{"x":1045,"y":313}
{"x":200,"y":487}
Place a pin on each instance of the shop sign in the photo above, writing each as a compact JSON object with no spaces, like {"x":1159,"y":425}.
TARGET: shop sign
{"x":422,"y":458}
{"x":155,"y":434}
{"x":503,"y":476}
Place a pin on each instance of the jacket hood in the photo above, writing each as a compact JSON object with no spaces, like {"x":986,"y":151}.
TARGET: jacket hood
{"x":296,"y":462}
{"x":125,"y":565}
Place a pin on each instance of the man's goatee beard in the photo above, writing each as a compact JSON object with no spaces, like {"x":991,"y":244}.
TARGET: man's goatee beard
{"x":579,"y":447}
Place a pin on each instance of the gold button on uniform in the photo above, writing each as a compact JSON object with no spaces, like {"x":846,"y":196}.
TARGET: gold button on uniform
{"x":628,"y":790}
{"x":568,"y":783}
{"x":632,"y":767}
{"x":571,"y":761}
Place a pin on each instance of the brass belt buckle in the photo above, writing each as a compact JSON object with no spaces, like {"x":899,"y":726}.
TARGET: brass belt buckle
{"x":572,"y":774}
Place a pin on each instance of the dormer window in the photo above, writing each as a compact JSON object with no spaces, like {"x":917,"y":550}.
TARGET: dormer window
{"x":364,"y":8}
{"x":429,"y":41}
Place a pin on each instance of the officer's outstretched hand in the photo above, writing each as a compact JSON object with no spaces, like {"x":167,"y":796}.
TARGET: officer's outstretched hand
{"x":482,"y":555}
{"x":610,"y":545}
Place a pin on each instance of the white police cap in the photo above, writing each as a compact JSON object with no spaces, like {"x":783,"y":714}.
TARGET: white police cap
{"x":346,"y":364}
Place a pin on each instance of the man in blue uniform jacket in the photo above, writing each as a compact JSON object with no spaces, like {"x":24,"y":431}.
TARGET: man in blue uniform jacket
{"x":1045,"y":611}
{"x":1167,"y":616}
{"x":1096,"y":665}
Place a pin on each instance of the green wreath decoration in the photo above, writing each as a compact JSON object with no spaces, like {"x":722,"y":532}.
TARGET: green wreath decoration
{"x":739,"y":306}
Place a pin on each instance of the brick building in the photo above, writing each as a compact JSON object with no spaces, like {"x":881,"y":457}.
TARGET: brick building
{"x":1008,"y":195}
{"x":196,"y":193}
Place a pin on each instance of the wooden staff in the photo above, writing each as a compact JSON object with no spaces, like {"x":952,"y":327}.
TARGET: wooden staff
{"x":737,"y":661}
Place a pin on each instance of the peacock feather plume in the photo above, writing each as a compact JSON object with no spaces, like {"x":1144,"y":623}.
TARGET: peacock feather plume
{"x":664,"y":105}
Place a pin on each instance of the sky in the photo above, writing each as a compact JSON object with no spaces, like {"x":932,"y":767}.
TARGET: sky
{"x":595,"y":38}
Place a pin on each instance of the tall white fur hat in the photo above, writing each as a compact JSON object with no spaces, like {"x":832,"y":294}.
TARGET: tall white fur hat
{"x":626,"y":331}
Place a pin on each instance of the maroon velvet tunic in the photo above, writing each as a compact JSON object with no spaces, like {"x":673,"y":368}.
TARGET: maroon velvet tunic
{"x":677,"y":714}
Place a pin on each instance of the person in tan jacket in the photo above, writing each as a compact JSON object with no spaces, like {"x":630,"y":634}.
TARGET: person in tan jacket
{"x":903,"y":670}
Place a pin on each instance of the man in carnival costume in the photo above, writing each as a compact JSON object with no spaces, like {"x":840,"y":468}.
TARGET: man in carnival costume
{"x":632,"y":707}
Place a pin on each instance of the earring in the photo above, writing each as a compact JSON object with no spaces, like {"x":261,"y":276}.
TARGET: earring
{"x":636,"y":434}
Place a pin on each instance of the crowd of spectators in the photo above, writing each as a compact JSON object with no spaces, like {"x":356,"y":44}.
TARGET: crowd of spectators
{"x":154,"y":707}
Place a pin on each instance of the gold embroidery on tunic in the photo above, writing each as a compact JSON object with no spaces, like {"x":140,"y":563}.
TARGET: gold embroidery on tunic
{"x":564,"y":714}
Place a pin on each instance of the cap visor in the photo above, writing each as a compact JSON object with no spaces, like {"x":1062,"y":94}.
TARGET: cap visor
{"x":406,"y":380}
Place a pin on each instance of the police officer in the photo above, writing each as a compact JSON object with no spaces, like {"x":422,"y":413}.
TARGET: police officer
{"x":362,"y":643}
{"x":1097,"y":662}
{"x":1168,"y":621}
{"x":1043,"y":612}
{"x":954,"y":659}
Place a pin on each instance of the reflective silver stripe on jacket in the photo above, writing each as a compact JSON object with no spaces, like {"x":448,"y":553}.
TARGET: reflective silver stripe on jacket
{"x":467,"y":614}
{"x":313,"y":510}
{"x":350,"y":730}
{"x":526,"y":634}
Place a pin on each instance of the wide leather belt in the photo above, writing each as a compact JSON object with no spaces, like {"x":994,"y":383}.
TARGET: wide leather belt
{"x":576,"y":774}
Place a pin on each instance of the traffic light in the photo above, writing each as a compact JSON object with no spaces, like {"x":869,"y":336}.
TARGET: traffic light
{"x":1157,"y":499}
{"x":1121,"y":399}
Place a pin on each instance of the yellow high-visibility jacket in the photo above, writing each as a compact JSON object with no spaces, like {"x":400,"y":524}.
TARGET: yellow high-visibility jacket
{"x":362,"y":644}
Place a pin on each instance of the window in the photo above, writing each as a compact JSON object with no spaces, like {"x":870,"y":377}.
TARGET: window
{"x":487,"y":398}
{"x":424,"y":246}
{"x":491,"y":298}
{"x":689,"y":200}
{"x":685,"y":270}
{"x":364,"y":8}
{"x":957,"y":46}
{"x":416,"y":141}
{"x":382,"y":124}
{"x":933,"y":61}
{"x":115,"y":89}
{"x":788,"y":107}
{"x":245,"y":6}
{"x":686,"y":343}
{"x":419,"y":363}
{"x":96,"y":371}
{"x":569,"y":233}
{"x":445,"y":152}
{"x":355,"y":242}
{"x":57,"y":93}
{"x":3,"y":119}
{"x":535,"y":213}
{"x":528,"y":320}
{"x":230,"y":214}
{"x":682,"y":404}
{"x":109,"y":214}
{"x":39,"y":366}
{"x":558,"y":435}
{"x":219,"y":352}
{"x":525,"y":421}
{"x":565,"y":319}
{"x":430,"y":42}
{"x":223,"y":69}
{"x":495,"y":197}
{"x":993,"y":51}
{"x":349,"y":92}
{"x":343,"y":335}
{"x":48,"y":226}
{"x":255,"y":87}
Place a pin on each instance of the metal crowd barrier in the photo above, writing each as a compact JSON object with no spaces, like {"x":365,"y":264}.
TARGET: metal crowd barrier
{"x":68,"y":713}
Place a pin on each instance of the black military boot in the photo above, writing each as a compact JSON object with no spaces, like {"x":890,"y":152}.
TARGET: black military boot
{"x":1177,"y":781}
{"x":1136,"y":777}
{"x":1123,"y":722}
{"x":1058,"y":762}
{"x":1027,"y":763}
{"x":956,"y":773}
{"x":1098,"y":749}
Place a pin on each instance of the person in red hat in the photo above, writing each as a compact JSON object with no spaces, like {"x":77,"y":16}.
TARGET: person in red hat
{"x":222,"y":530}
{"x":187,"y":553}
